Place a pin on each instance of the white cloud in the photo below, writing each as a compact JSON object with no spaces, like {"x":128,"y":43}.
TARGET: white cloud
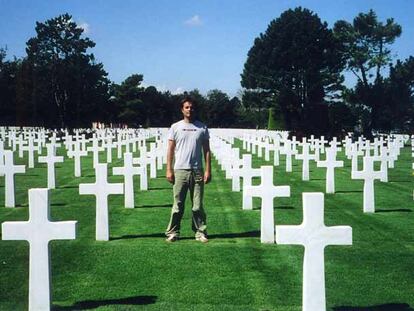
{"x":194,"y":21}
{"x":85,"y":26}
{"x":165,"y":88}
{"x":178,"y":90}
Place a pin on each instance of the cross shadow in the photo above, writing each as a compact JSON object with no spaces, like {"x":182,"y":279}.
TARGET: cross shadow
{"x":284,"y":207}
{"x":159,"y":188}
{"x":58,"y":204}
{"x":154,"y":205}
{"x":393,"y":181}
{"x":137,"y":236}
{"x":22,"y":205}
{"x":393,"y":210}
{"x":349,"y":191}
{"x":384,"y":307}
{"x":93,"y":304}
{"x":317,"y":179}
{"x":249,"y":234}
{"x":68,"y":187}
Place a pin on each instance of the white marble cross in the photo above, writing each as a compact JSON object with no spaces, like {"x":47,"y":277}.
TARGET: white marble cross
{"x":119,"y":143}
{"x":236,"y":168}
{"x":333,"y":144}
{"x":1,"y":155}
{"x":9,"y":170}
{"x":128,"y":170}
{"x":353,"y":155}
{"x":383,"y":157}
{"x":267,"y":192}
{"x":77,"y":153}
{"x":289,"y":151}
{"x":108,"y":145}
{"x":143,"y":175}
{"x":305,"y":157}
{"x":276,"y":151}
{"x":95,"y":148}
{"x":322,"y":142}
{"x":38,"y":231}
{"x":21,"y":142}
{"x":247,"y":175}
{"x":50,"y":159}
{"x":330,"y":163}
{"x":146,"y":158}
{"x":368,"y":174}
{"x":101,"y":189}
{"x":314,"y":236}
{"x":30,"y":148}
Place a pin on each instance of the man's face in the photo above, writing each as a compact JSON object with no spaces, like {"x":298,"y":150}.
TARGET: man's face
{"x":188,"y":110}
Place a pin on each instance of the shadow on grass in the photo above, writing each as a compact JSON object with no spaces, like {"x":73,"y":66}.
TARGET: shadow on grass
{"x":22,"y":205}
{"x":154,"y":205}
{"x":385,"y":307}
{"x":93,"y":304}
{"x":58,"y":204}
{"x":249,"y":234}
{"x":68,"y":187}
{"x":349,"y":191}
{"x":160,"y":188}
{"x":137,"y":236}
{"x":284,"y":207}
{"x":406,"y":210}
{"x":393,"y":181}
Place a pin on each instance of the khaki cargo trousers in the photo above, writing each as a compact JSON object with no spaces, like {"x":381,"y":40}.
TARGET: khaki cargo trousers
{"x":185,"y":180}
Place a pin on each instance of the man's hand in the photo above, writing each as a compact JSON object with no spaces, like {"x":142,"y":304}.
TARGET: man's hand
{"x":207,"y":177}
{"x":170,"y":176}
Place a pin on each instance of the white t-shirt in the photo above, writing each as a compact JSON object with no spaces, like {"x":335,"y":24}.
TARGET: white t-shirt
{"x":189,"y":139}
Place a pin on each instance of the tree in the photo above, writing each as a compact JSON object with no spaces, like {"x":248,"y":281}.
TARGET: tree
{"x":365,"y":48}
{"x":128,"y":98}
{"x":8,"y":72}
{"x":365,"y":44}
{"x":400,"y":95}
{"x":66,"y":81}
{"x":221,"y":110}
{"x":295,"y":62}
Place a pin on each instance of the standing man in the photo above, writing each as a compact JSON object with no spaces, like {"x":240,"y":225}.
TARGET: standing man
{"x":187,"y":140}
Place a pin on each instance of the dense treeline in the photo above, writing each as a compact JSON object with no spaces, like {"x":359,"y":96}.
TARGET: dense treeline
{"x":292,"y":79}
{"x":298,"y":64}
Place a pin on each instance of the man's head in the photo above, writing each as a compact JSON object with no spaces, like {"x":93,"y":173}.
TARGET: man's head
{"x":188,"y":107}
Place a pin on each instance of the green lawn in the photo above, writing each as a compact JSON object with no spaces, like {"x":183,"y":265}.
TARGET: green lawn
{"x":138,"y":270}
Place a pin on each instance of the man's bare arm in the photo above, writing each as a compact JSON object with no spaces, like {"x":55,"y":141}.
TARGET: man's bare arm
{"x":207,"y":160}
{"x":170,"y":156}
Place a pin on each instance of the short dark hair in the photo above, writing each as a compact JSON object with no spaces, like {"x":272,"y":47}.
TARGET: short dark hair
{"x":189,"y":100}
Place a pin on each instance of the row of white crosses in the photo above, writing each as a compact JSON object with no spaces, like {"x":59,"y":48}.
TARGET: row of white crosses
{"x":8,"y":168}
{"x":39,"y":230}
{"x":312,"y":233}
{"x":376,"y":151}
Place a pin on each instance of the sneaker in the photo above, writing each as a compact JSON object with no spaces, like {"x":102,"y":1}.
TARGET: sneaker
{"x":202,"y":238}
{"x":172,"y":238}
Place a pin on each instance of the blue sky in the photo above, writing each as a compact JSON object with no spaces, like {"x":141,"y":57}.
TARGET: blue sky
{"x":186,"y":44}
